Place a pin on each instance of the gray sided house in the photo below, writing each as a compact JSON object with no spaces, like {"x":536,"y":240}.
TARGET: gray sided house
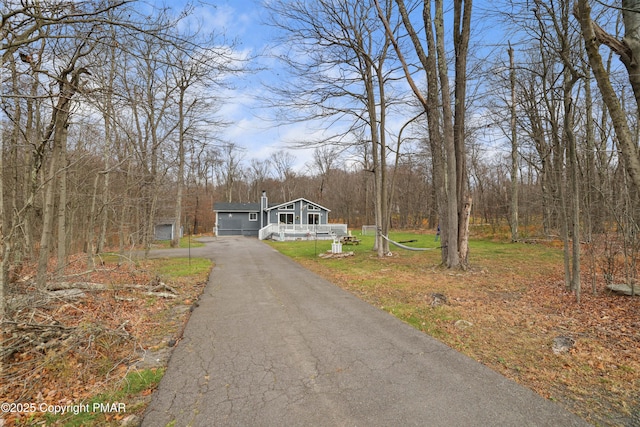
{"x":237,"y":219}
{"x":297,"y":219}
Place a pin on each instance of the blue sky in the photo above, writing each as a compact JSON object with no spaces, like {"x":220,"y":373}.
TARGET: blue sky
{"x":243,"y":21}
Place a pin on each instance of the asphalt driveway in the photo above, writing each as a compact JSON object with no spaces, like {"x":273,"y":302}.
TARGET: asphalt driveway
{"x":273,"y":344}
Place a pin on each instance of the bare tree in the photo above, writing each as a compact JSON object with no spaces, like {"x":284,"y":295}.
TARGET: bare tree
{"x":53,"y":40}
{"x":198,"y":72}
{"x":325,"y":159}
{"x":228,"y":169}
{"x":187,"y":74}
{"x":446,"y":123}
{"x":258,"y":173}
{"x":627,"y":49}
{"x":74,"y":61}
{"x":343,"y":79}
{"x":556,"y":41}
{"x":56,"y":134}
{"x":283,"y":162}
{"x":514,"y":148}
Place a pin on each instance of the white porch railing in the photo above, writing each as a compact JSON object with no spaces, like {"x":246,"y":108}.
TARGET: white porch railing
{"x":295,"y":231}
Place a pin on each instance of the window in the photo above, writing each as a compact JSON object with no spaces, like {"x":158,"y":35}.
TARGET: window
{"x":313,"y":218}
{"x":253,"y":216}
{"x":288,"y":207}
{"x":313,"y":208}
{"x":285,"y":218}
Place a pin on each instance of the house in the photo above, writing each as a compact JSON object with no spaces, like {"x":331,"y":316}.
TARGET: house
{"x":296,"y":219}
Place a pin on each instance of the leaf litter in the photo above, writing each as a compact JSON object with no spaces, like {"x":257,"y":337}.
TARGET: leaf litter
{"x":66,"y":349}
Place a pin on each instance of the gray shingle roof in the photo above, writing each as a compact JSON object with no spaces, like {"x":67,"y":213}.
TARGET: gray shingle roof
{"x":236,"y":207}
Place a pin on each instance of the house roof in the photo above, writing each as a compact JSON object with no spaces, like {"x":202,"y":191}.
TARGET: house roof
{"x":236,"y":207}
{"x":255,"y":207}
{"x":297,"y":200}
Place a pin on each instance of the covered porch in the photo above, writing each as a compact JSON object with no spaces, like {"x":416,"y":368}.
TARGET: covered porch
{"x":282,"y":232}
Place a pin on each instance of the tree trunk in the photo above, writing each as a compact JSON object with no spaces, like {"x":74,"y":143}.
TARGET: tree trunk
{"x":47,"y":218}
{"x":574,"y":206}
{"x":4,"y":263}
{"x":514,"y":151}
{"x":464,"y":238}
{"x":382,"y":134}
{"x":126,"y":216}
{"x":575,"y":218}
{"x":376,"y":156}
{"x":445,"y":127}
{"x":91,"y":224}
{"x":594,"y":35}
{"x":590,"y":184}
{"x":57,"y":129}
{"x":451,"y":175}
{"x":461,"y":33}
{"x":631,"y":42}
{"x":61,"y":181}
{"x":175,"y":241}
{"x":109,"y":136}
{"x":34,"y":158}
{"x":56,"y":132}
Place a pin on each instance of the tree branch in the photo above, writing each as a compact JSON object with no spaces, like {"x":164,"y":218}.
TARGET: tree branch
{"x":620,"y":47}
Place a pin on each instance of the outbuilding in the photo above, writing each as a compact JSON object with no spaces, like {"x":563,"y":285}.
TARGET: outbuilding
{"x":165,"y":230}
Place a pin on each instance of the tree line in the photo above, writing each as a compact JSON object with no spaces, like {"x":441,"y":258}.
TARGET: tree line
{"x":557,"y":93}
{"x":106,"y":106}
{"x":110,"y":116}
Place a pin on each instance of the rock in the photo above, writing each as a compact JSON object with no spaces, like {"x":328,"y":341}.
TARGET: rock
{"x":463,"y":324}
{"x":438,"y":299}
{"x":131,"y":421}
{"x":562,"y":344}
{"x":624,"y":289}
{"x":154,"y":359}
